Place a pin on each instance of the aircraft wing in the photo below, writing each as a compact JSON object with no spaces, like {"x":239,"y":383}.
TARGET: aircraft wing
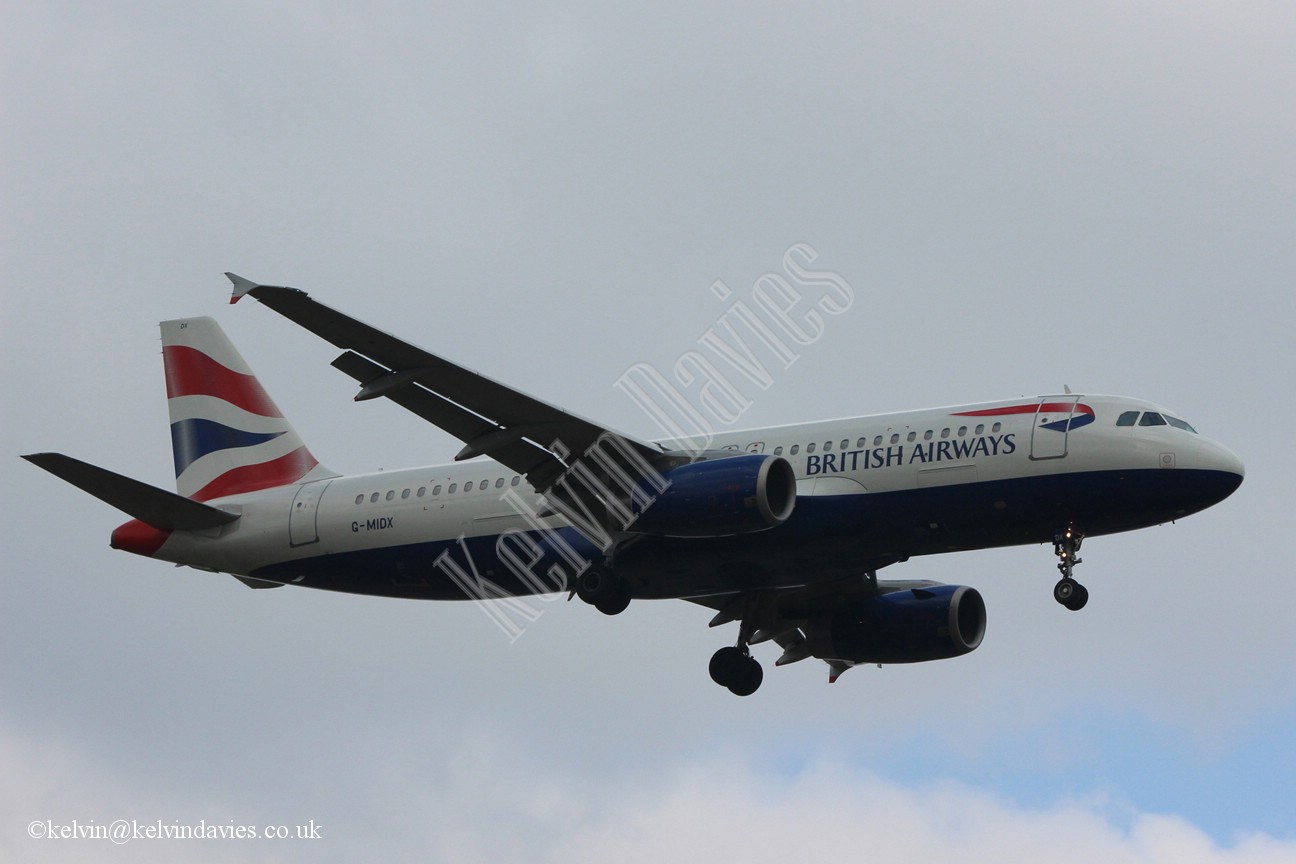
{"x":532,"y":437}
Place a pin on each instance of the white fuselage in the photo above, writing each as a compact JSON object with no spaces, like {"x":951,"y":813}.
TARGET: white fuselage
{"x":986,"y":457}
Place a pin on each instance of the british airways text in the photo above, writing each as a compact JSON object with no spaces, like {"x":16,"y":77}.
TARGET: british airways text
{"x":907,"y":454}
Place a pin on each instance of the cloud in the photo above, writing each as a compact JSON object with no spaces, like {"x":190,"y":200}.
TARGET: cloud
{"x":726,"y":809}
{"x":481,"y":798}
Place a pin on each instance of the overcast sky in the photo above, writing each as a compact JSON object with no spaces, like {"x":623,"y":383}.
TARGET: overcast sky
{"x":1021,"y":196}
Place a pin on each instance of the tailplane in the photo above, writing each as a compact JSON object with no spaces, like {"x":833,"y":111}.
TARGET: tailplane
{"x":227,"y":434}
{"x":158,"y":508}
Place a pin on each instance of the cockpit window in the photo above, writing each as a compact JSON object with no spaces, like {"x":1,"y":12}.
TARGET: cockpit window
{"x":1151,"y":418}
{"x":1129,"y":418}
{"x":1179,"y":424}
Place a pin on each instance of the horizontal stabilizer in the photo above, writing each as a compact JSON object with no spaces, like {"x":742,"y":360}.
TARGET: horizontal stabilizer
{"x":164,"y":510}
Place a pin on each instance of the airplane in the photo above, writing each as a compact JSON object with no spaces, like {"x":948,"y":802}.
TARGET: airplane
{"x":780,"y":529}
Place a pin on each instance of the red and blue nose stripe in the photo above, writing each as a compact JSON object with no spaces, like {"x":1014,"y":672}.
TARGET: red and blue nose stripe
{"x":1079,"y":413}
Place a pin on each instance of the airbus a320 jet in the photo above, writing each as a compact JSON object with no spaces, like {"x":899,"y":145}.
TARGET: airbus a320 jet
{"x":782,"y":529}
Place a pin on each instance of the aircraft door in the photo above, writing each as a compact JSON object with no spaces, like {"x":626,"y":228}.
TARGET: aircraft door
{"x":302,"y":525}
{"x":1052,"y":426}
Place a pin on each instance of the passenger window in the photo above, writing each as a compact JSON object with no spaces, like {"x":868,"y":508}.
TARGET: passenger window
{"x":778,"y":451}
{"x":391,"y":494}
{"x":453,"y":487}
{"x":860,"y":443}
{"x":827,"y":446}
{"x":499,"y":483}
{"x":927,"y":436}
{"x":877,"y":442}
{"x":996,"y":427}
{"x":912,"y":436}
{"x":468,"y":486}
{"x":422,"y":490}
{"x":1127,"y":419}
{"x":810,"y":447}
{"x":945,"y":432}
{"x":404,"y":494}
{"x":980,"y":428}
{"x":962,"y":431}
{"x":846,"y":443}
{"x":360,"y":498}
{"x":1152,"y":418}
{"x":515,"y":481}
{"x":436,"y":490}
{"x":895,"y":438}
{"x":796,"y":448}
{"x":373,"y":499}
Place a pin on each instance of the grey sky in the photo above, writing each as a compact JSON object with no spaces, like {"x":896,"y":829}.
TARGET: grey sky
{"x":1096,"y":195}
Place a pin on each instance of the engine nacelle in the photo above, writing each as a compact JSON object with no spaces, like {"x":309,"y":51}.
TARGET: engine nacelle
{"x":908,"y":626}
{"x":721,"y":496}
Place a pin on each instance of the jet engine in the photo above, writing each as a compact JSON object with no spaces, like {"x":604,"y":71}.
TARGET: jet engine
{"x":911,"y":625}
{"x":721,"y":496}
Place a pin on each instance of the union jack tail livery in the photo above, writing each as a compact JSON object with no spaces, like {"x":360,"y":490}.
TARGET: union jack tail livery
{"x":227,"y":434}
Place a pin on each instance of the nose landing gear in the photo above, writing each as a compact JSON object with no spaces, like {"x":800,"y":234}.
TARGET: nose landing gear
{"x":1068,"y":591}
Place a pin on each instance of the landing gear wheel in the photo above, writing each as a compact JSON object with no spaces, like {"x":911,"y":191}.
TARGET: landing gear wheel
{"x":726,"y":664}
{"x":615,"y":602}
{"x":734,"y":668}
{"x":749,"y":678}
{"x":603,"y":590}
{"x":1064,"y":590}
{"x":1071,"y":594}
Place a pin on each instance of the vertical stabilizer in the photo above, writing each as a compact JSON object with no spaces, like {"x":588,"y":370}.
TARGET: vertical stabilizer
{"x":227,"y":434}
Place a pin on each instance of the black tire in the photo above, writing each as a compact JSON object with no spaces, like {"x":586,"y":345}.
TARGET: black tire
{"x":749,"y":678}
{"x":615,"y":601}
{"x":1078,"y":598}
{"x":726,"y":665}
{"x":595,"y":584}
{"x":1064,"y":591}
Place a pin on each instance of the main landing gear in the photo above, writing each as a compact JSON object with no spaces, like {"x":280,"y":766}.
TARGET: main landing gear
{"x":604,"y":590}
{"x":733,"y":666}
{"x":1067,"y":591}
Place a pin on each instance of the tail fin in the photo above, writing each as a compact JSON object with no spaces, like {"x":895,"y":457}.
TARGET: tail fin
{"x":227,"y":435}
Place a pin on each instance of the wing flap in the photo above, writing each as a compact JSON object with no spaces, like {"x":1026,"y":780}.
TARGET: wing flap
{"x":480,"y":436}
{"x":258,"y":584}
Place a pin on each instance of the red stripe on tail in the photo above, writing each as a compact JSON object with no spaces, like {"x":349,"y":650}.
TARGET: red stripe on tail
{"x":283,"y":471}
{"x":189,"y":372}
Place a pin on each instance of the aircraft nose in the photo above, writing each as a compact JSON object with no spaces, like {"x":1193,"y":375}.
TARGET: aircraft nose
{"x":1214,"y":456}
{"x":1217,"y":457}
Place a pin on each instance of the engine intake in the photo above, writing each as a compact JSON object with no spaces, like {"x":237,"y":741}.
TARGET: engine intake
{"x":908,"y":626}
{"x":716,"y":497}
